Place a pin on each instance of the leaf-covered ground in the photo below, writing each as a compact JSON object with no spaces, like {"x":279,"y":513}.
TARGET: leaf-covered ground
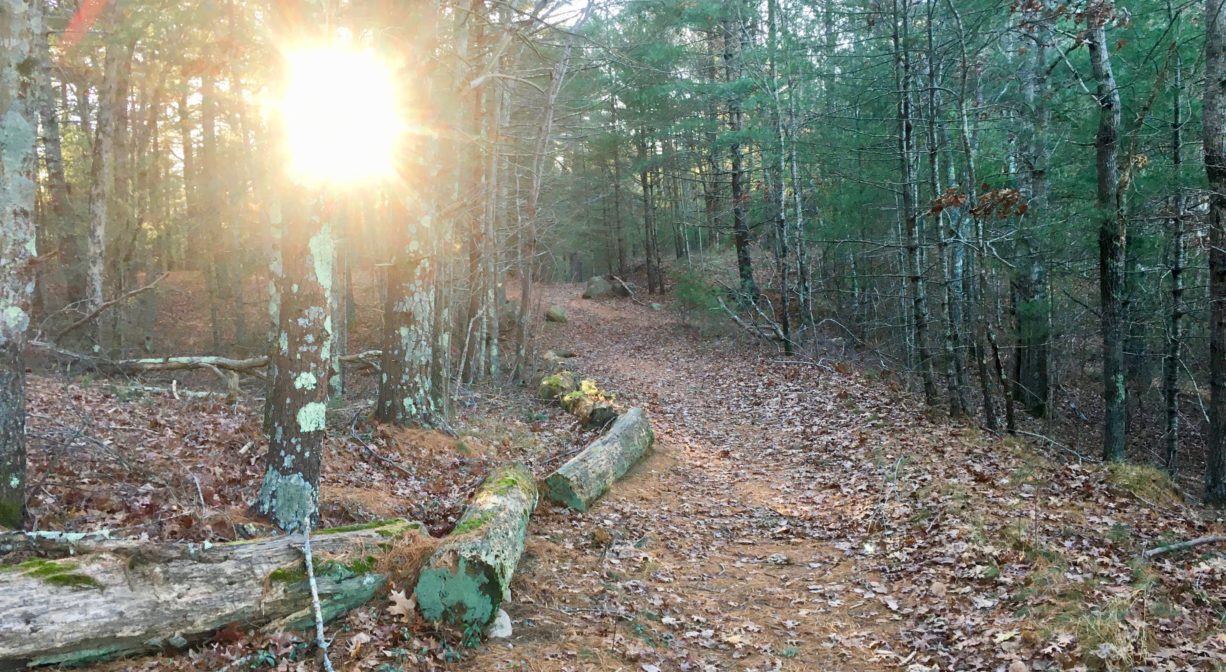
{"x":793,"y":517}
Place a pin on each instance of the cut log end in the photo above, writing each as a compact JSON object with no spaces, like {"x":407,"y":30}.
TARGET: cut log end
{"x":469,"y":576}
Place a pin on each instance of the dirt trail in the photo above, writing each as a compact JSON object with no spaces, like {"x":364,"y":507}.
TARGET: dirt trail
{"x":726,"y":549}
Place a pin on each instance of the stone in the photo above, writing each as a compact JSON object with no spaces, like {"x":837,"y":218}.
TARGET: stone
{"x":555,"y":314}
{"x":501,"y":628}
{"x":597,"y":287}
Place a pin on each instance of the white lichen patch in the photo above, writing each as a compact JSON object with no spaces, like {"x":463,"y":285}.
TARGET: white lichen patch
{"x":288,"y":499}
{"x":312,"y":417}
{"x":305,"y":381}
{"x":13,"y":323}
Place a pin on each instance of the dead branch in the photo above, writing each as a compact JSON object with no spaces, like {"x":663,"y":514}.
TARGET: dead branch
{"x":1184,"y":545}
{"x":216,"y":364}
{"x":93,"y":314}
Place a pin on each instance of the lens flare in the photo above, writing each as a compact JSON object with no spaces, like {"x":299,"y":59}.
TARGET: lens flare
{"x":339,"y":114}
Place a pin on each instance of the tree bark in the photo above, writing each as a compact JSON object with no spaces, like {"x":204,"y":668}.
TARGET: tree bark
{"x":1112,"y":232}
{"x":101,"y":177}
{"x":290,"y":490}
{"x":405,"y":387}
{"x":912,"y":223}
{"x":1215,"y":169}
{"x":1176,"y":259}
{"x":734,"y":43}
{"x":18,"y":32}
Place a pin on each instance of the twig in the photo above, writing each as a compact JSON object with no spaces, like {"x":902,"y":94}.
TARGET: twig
{"x":1057,"y":444}
{"x":629,"y":292}
{"x":320,"y":640}
{"x":1184,"y":545}
{"x":105,"y":304}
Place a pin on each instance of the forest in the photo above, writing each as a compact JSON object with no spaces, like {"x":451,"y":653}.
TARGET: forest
{"x":569,"y":335}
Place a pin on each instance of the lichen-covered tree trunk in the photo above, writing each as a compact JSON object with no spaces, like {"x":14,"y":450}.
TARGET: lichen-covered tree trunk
{"x":302,"y":359}
{"x":17,"y":247}
{"x":405,"y":384}
{"x":108,"y":598}
{"x":468,"y":576}
{"x":587,"y":476}
{"x":1215,"y":169}
{"x":1112,"y":233}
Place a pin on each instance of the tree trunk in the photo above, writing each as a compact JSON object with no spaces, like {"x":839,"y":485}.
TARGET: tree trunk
{"x":290,"y":490}
{"x":586,"y":476}
{"x":912,"y":223}
{"x":1177,"y":253}
{"x":101,"y":175}
{"x":1112,"y":234}
{"x":18,"y":33}
{"x":62,"y":230}
{"x":405,"y":385}
{"x":1215,"y":170}
{"x":116,"y":597}
{"x":734,"y":43}
{"x":466,"y":580}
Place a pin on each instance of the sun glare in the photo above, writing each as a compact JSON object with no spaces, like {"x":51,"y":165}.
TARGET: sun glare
{"x":339,"y":111}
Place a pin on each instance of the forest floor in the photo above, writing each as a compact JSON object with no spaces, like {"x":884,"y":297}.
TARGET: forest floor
{"x":794,"y":516}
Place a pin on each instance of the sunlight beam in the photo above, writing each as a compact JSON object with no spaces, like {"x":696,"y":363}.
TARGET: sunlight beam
{"x":339,"y":111}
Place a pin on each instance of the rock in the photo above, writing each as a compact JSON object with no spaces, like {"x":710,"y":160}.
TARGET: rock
{"x":623,"y":289}
{"x":555,"y":314}
{"x":657,"y":306}
{"x":778,"y":559}
{"x":501,"y":628}
{"x":597,"y":287}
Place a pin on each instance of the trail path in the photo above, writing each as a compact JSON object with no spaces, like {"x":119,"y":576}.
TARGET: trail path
{"x":738,"y":544}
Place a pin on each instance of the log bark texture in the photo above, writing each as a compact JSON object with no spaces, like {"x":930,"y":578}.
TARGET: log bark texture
{"x":122,"y":597}
{"x":468,"y":577}
{"x":589,"y":474}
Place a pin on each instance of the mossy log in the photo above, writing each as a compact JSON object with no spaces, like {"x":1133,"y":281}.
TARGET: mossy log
{"x":587,"y":476}
{"x":469,"y":575}
{"x":101,"y":598}
{"x":589,"y":404}
{"x":556,"y":385}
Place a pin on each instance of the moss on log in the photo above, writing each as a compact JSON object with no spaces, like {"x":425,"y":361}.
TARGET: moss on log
{"x":589,"y":404}
{"x":556,"y":385}
{"x":468,"y":576}
{"x":587,"y":476}
{"x":121,"y":597}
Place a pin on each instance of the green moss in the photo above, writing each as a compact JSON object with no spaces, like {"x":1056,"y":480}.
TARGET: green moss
{"x":509,"y":481}
{"x":473,"y":523}
{"x":73,"y":581}
{"x":51,"y":569}
{"x":287,"y":575}
{"x":54,"y":573}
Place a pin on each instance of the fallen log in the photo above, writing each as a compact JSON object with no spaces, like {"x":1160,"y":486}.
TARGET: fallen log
{"x":121,"y":597}
{"x":587,"y":476}
{"x":247,"y":365}
{"x":467,"y":578}
{"x":1184,"y":545}
{"x":589,"y":404}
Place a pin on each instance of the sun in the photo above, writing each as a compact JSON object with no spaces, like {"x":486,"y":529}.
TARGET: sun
{"x":339,"y":111}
